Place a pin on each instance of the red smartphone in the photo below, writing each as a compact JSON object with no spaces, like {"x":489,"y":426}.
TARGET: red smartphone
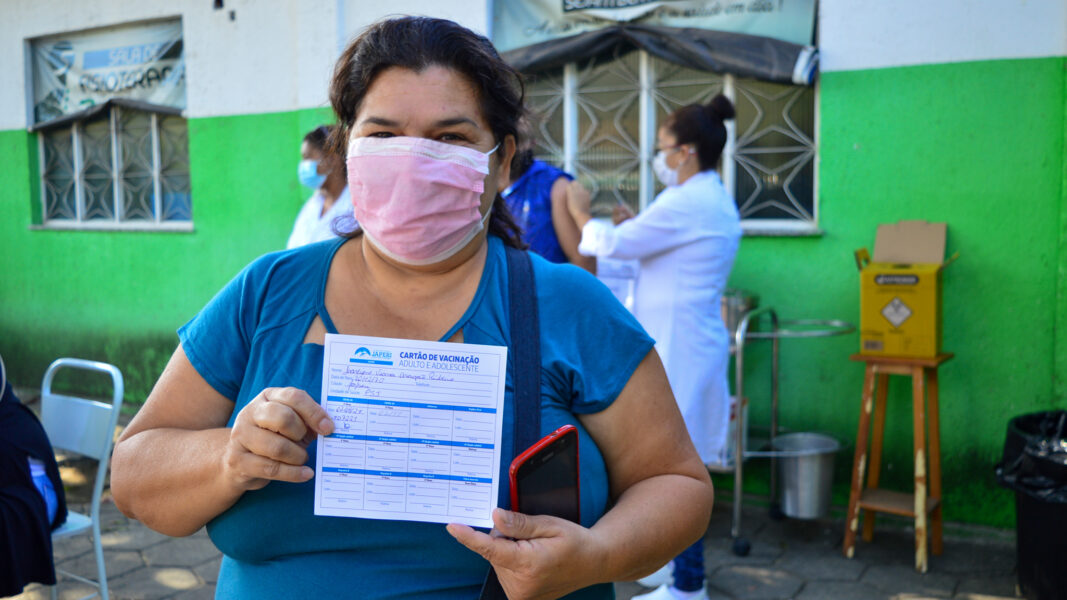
{"x":544,"y":478}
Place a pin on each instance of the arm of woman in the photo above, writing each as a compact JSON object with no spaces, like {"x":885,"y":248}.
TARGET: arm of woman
{"x":177,"y":465}
{"x":662,"y":502}
{"x":657,"y":229}
{"x":567,"y":232}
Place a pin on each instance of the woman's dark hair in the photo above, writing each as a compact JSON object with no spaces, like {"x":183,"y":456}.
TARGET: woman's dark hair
{"x":703,"y":127}
{"x":318,"y":137}
{"x":417,"y":43}
{"x":523,"y":160}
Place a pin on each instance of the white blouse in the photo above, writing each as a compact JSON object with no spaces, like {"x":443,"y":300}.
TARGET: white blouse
{"x":312,"y":226}
{"x":685,"y":243}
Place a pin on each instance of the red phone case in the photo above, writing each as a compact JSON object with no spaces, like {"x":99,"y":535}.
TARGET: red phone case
{"x":513,"y":470}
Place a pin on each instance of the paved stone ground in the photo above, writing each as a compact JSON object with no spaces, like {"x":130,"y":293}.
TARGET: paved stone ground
{"x":141,"y":564}
{"x":790,"y":559}
{"x":802,"y":560}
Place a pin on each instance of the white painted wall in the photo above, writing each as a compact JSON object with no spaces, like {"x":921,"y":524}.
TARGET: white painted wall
{"x":277,"y":55}
{"x":273,"y":56}
{"x":868,"y":34}
{"x":473,"y":14}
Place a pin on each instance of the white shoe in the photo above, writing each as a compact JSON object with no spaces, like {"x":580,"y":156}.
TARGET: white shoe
{"x":665,"y":574}
{"x":666,"y":592}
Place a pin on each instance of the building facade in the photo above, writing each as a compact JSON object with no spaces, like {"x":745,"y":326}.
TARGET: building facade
{"x":952,"y":111}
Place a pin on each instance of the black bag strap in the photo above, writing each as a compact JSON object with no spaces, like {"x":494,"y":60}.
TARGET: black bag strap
{"x":525,"y":349}
{"x":525,"y":353}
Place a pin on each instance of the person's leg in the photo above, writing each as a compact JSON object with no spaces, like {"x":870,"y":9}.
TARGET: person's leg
{"x":689,"y":568}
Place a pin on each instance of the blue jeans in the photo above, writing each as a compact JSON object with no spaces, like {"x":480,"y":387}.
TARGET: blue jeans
{"x":689,"y":568}
{"x":44,"y":486}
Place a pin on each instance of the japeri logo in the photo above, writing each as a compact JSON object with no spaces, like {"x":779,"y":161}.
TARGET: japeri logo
{"x":372,"y":357}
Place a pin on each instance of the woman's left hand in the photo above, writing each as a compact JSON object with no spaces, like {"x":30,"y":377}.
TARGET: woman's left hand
{"x":535,"y":557}
{"x":661,"y":492}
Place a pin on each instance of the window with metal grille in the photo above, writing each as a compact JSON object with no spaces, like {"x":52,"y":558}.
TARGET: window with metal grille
{"x":121,"y":168}
{"x":597,"y":119}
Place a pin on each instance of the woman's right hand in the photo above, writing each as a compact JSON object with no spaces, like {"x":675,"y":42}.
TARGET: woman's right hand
{"x":270,"y":436}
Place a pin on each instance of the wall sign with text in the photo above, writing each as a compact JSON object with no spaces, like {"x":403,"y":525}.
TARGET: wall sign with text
{"x":518,"y":24}
{"x":75,"y":71}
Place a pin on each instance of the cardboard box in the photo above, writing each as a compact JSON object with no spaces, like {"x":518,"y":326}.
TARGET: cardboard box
{"x":900,"y":290}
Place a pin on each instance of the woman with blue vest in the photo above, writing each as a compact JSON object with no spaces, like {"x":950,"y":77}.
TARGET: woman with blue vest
{"x":537,"y":197}
{"x":428,"y":119}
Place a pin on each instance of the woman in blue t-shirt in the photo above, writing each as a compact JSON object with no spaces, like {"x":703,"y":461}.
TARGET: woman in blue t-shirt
{"x":538,"y":197}
{"x":428,"y":114}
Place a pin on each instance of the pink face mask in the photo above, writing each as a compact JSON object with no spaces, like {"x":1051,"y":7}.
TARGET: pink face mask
{"x":417,"y":200}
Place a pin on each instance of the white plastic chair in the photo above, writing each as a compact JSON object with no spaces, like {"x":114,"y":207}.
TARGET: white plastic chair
{"x":86,"y":427}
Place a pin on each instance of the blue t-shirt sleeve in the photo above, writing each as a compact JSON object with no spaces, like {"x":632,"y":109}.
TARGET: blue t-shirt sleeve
{"x":218,"y":339}
{"x":590,"y":343}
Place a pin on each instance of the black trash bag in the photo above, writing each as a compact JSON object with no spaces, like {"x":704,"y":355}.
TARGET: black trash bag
{"x":1034,"y":465}
{"x":1035,"y":456}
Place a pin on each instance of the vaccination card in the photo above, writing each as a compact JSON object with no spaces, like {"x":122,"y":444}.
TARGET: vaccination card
{"x":417,"y":430}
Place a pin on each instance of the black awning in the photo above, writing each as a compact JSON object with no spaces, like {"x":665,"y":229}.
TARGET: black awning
{"x":740,"y":54}
{"x":92,"y":111}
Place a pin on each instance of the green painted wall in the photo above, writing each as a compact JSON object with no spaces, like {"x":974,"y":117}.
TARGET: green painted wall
{"x":1060,"y":366}
{"x":981,"y":146}
{"x":119,"y":296}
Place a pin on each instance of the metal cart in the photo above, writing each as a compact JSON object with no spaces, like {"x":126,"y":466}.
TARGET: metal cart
{"x":798,"y":328}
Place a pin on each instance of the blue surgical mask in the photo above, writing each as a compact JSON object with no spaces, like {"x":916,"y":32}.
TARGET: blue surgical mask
{"x":308,"y":172}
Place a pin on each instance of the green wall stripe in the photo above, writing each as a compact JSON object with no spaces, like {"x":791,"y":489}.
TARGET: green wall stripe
{"x":1060,"y":371}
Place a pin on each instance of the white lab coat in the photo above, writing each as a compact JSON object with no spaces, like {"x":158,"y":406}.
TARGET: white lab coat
{"x":686,"y":242}
{"x":312,"y":226}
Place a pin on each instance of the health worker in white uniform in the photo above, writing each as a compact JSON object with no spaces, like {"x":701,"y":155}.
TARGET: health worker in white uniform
{"x":324,"y":173}
{"x":685,"y":243}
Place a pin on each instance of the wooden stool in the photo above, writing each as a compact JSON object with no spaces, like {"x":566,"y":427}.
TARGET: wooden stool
{"x":922,"y":502}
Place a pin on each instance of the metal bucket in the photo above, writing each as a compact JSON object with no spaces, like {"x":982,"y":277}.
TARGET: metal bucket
{"x":805,"y":473}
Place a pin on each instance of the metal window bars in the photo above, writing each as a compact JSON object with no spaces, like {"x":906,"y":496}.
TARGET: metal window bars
{"x":121,"y":168}
{"x":598,"y":120}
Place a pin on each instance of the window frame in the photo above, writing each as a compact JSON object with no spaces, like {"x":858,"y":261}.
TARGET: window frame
{"x":646,"y":146}
{"x":75,"y":125}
